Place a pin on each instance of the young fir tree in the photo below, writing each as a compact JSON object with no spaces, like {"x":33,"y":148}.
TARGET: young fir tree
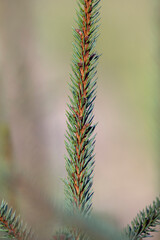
{"x":80,"y":144}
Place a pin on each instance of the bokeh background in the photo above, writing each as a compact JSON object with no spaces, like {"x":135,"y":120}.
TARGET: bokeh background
{"x":35,"y":55}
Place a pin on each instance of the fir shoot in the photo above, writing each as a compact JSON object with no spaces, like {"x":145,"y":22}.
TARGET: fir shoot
{"x":79,"y":138}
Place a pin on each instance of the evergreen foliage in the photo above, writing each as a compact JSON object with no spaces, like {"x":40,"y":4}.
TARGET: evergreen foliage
{"x":12,"y":226}
{"x":145,"y":222}
{"x":80,"y":140}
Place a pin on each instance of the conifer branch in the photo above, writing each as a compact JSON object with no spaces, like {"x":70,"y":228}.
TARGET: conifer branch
{"x":145,"y":222}
{"x":11,"y":225}
{"x":79,"y":139}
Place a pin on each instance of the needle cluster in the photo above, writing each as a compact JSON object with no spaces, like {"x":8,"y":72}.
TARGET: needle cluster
{"x":79,"y":138}
{"x":145,"y":222}
{"x":11,"y":225}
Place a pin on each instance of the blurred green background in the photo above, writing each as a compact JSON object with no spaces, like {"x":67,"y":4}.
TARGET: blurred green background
{"x":36,"y":51}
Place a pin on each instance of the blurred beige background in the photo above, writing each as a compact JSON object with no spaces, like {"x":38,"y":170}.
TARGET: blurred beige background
{"x":36,"y":50}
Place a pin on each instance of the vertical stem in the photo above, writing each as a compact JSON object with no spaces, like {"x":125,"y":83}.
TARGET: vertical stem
{"x":80,"y":144}
{"x":81,"y":127}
